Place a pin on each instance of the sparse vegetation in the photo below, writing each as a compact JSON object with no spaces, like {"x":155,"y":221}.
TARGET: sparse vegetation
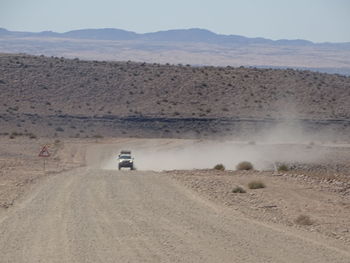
{"x":256,"y":185}
{"x":303,"y":220}
{"x":244,"y":166}
{"x":219,"y":167}
{"x":14,"y":134}
{"x":238,"y":189}
{"x":32,"y":136}
{"x":59,"y":129}
{"x":226,"y":91}
{"x":310,"y":145}
{"x":283,"y":168}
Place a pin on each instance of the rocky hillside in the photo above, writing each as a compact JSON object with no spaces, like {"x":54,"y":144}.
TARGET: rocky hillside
{"x":51,"y":86}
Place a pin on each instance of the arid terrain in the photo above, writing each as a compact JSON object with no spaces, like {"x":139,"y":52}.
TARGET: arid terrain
{"x":48,"y":96}
{"x":292,"y":126}
{"x":82,"y":209}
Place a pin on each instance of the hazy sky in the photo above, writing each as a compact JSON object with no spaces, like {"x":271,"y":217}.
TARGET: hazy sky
{"x":315,"y":20}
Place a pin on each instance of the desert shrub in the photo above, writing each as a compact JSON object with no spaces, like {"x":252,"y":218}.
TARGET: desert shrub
{"x":303,"y":220}
{"x":238,"y":189}
{"x":98,"y":136}
{"x":310,"y":145}
{"x":244,"y":166}
{"x":283,"y":168}
{"x":59,"y":129}
{"x":256,"y":185}
{"x":219,"y":167}
{"x":32,"y":136}
{"x":16,"y":134}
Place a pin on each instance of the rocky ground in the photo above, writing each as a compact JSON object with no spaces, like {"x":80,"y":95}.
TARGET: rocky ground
{"x":287,"y":195}
{"x":50,"y":96}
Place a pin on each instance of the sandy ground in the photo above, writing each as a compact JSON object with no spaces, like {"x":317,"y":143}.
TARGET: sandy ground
{"x":109,"y":216}
{"x":284,"y":199}
{"x":20,"y":166}
{"x":97,"y":214}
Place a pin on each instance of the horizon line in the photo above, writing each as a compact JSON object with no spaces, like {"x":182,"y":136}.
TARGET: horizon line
{"x":175,"y":29}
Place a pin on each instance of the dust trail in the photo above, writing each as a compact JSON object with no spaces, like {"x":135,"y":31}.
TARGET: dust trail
{"x":173,"y":154}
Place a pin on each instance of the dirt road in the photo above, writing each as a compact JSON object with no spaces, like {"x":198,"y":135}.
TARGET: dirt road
{"x":90,"y":215}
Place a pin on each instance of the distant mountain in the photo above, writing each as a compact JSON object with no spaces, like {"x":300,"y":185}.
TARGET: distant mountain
{"x":3,"y":32}
{"x":177,"y":35}
{"x":101,"y":34}
{"x":182,"y":35}
{"x":201,"y":35}
{"x":193,"y":46}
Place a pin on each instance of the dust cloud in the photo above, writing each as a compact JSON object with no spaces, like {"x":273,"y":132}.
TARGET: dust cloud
{"x":283,"y":144}
{"x":289,"y":141}
{"x":207,"y":154}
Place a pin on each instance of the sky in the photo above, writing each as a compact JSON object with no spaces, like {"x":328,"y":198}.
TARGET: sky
{"x":314,"y":20}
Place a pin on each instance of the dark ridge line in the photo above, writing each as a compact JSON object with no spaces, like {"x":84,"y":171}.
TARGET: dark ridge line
{"x":186,"y":119}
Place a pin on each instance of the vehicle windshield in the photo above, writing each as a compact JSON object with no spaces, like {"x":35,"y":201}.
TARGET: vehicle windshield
{"x":124,"y":157}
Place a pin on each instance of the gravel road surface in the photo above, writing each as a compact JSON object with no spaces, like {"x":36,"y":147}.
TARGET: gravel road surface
{"x":88,"y":215}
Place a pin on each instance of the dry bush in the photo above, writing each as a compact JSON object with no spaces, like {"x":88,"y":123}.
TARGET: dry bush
{"x":244,"y":166}
{"x":303,"y":220}
{"x":59,"y":129}
{"x":238,"y":189}
{"x":310,"y":145}
{"x":32,"y":136}
{"x":219,"y":167}
{"x":256,"y":185}
{"x":283,"y":168}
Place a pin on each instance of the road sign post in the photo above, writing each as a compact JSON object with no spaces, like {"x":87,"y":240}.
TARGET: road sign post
{"x":45,"y":154}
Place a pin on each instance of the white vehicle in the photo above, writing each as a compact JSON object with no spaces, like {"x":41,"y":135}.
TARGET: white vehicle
{"x":125,"y":160}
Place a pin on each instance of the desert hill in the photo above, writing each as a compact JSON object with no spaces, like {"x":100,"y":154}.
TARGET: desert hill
{"x":41,"y":90}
